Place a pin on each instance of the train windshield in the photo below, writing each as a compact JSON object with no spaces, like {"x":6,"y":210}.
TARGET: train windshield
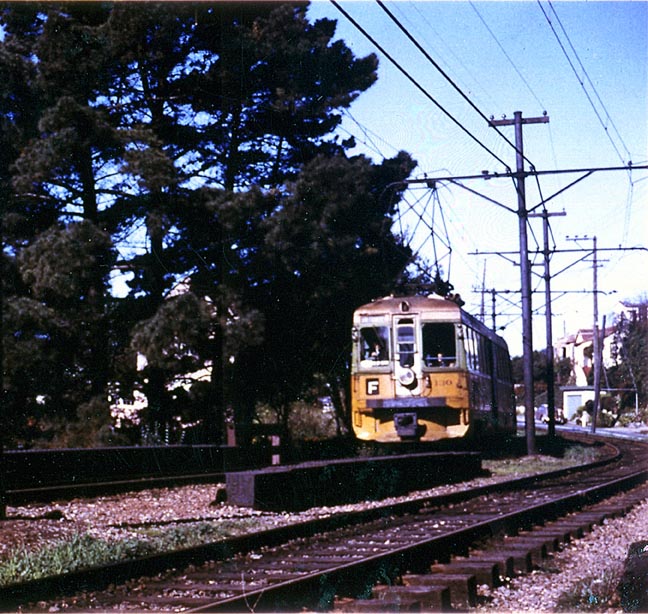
{"x":374,"y":348}
{"x":439,"y":345}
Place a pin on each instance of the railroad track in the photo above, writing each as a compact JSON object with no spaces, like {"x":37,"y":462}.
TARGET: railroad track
{"x":427,"y":554}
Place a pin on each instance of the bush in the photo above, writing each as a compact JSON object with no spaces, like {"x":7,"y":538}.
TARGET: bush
{"x":314,"y":421}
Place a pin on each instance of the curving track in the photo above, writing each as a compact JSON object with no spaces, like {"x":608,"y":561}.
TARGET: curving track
{"x":426,"y":554}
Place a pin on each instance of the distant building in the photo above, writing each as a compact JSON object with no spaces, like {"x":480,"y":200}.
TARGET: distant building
{"x":631,"y":310}
{"x":579,"y":348}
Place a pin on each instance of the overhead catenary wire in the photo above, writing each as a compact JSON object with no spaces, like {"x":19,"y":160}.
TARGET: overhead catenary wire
{"x":608,"y":118}
{"x":626,"y":221}
{"x":506,"y":55}
{"x":450,"y":81}
{"x":582,"y":81}
{"x":461,"y":93}
{"x":427,"y":29}
{"x":418,"y":85}
{"x":369,"y":135}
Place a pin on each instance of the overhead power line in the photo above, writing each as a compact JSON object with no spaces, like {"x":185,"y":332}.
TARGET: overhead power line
{"x":370,"y":137}
{"x":447,"y":77}
{"x":417,"y":84}
{"x":582,"y":82}
{"x":428,"y":31}
{"x":506,"y":55}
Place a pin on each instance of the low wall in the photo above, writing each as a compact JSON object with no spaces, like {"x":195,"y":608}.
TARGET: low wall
{"x":298,"y":487}
{"x":39,"y":468}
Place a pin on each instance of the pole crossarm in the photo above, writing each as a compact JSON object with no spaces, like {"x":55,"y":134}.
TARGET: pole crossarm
{"x":544,"y":201}
{"x":487,"y":175}
{"x":564,"y":251}
{"x":487,"y":198}
{"x":587,"y":254}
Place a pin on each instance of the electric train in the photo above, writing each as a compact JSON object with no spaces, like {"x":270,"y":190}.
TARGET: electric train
{"x":423,"y":370}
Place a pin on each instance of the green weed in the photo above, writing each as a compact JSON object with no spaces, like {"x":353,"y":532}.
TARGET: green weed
{"x":526,"y":465}
{"x":579,"y":455}
{"x":81,"y":551}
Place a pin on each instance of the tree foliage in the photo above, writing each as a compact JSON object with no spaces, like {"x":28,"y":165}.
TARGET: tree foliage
{"x":186,"y":146}
{"x":562,"y":369}
{"x":630,"y":354}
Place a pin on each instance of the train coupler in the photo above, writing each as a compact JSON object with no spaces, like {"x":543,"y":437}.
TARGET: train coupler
{"x":407,"y":426}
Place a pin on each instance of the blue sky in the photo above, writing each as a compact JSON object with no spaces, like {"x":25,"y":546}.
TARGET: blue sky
{"x":592,"y":81}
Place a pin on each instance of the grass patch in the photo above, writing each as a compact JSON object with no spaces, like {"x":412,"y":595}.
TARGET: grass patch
{"x":579,"y":455}
{"x":526,"y":465}
{"x":82,"y":551}
{"x":173,"y":537}
{"x":540,"y":463}
{"x":65,"y":556}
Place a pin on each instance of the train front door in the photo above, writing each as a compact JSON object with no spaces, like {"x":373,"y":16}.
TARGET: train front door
{"x":407,"y":376}
{"x":407,"y":358}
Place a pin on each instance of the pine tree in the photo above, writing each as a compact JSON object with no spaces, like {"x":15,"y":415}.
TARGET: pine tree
{"x":60,"y":177}
{"x":207,"y":130}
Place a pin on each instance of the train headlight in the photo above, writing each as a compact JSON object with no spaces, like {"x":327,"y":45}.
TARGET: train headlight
{"x":407,"y":378}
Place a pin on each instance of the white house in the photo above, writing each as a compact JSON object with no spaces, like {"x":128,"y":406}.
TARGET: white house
{"x":579,"y":348}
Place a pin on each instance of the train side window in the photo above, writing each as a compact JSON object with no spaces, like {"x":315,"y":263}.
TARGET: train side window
{"x":487,"y":355}
{"x":439,"y":345}
{"x":373,"y":345}
{"x":478,"y":348}
{"x":468,"y":348}
{"x":472,"y":349}
{"x":405,"y":339}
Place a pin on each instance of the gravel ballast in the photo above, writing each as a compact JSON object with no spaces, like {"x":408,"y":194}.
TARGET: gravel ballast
{"x":587,"y":567}
{"x":580,"y":577}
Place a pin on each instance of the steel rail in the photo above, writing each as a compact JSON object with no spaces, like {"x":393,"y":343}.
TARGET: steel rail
{"x":93,"y":579}
{"x":306,"y":592}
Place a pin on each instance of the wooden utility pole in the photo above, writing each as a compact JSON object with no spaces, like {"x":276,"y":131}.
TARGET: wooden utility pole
{"x":551,"y":398}
{"x":597,"y":337}
{"x":596,"y":352}
{"x":523,"y":215}
{"x":525,"y":271}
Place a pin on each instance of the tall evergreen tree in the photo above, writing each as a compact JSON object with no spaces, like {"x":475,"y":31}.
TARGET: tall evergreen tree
{"x":207,"y":130}
{"x":64,"y":177}
{"x":299,"y":261}
{"x":327,"y":249}
{"x":237,"y":96}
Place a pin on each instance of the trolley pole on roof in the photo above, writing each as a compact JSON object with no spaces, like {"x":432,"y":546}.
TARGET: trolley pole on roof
{"x":525,"y":272}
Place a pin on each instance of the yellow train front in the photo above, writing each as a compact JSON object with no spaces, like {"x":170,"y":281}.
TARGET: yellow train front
{"x":423,"y":370}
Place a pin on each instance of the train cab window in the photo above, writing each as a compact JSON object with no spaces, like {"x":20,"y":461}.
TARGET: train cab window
{"x":406,"y":341}
{"x":374,"y":350}
{"x":439,"y":346}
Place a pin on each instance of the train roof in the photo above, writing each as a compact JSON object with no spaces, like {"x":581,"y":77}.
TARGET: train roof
{"x":441,"y":307}
{"x":414,"y":303}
